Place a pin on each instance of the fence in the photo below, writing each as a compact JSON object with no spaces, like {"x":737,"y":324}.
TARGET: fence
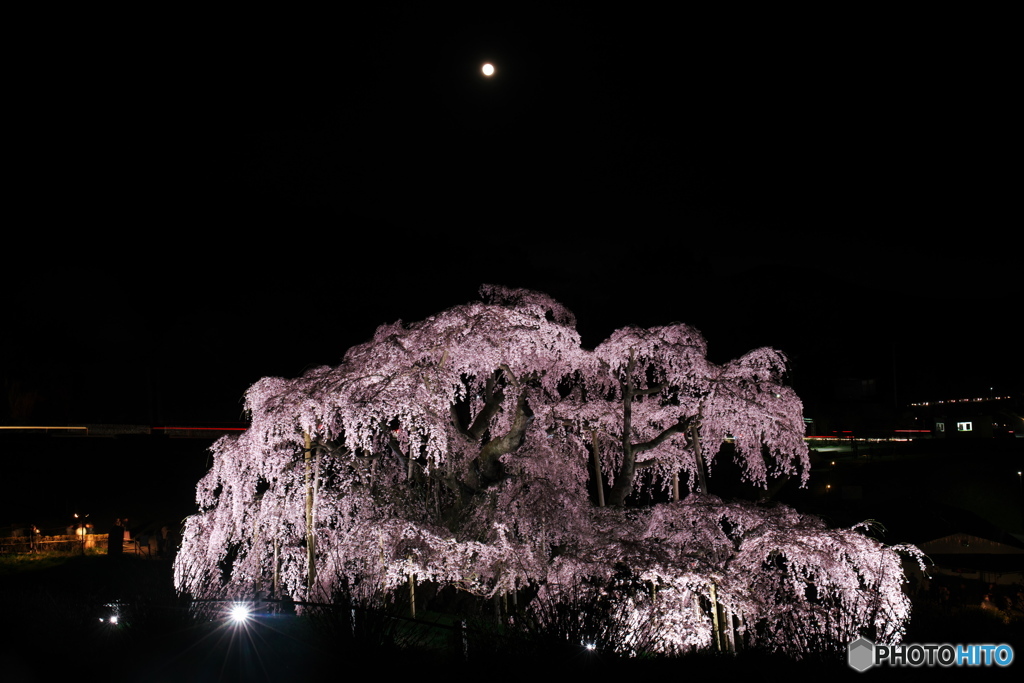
{"x":11,"y":545}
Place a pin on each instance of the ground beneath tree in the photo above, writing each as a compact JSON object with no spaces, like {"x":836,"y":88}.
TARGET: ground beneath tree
{"x":58,"y":604}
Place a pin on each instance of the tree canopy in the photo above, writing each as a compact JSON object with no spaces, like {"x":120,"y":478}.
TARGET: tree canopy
{"x":485,"y":449}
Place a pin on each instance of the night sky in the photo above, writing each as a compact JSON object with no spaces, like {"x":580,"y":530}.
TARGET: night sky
{"x":198,"y":202}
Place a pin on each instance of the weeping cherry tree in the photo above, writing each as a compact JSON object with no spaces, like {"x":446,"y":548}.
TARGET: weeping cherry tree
{"x":484,"y":449}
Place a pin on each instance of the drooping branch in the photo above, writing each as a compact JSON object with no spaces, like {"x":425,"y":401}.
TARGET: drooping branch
{"x":411,"y":467}
{"x":596,"y":455}
{"x":698,"y":456}
{"x":418,"y":473}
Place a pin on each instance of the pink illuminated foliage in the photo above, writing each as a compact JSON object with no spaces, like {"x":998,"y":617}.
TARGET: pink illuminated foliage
{"x":460,"y":450}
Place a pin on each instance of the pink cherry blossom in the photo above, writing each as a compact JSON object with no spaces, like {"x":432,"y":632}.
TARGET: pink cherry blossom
{"x":460,"y":450}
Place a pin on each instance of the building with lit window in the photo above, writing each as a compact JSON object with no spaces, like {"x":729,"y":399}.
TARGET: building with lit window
{"x":973,"y":418}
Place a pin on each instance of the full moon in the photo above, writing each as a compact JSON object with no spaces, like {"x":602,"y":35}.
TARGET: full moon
{"x":488,"y":69}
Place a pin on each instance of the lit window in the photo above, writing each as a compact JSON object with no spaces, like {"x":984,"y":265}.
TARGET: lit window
{"x":963,"y":426}
{"x":940,"y":426}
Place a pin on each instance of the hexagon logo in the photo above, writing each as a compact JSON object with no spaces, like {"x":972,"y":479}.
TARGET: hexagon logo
{"x":860,"y":654}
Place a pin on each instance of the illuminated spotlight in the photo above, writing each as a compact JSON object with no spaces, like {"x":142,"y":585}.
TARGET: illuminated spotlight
{"x":239,"y":614}
{"x":111,"y":614}
{"x":590,"y":646}
{"x":488,"y":69}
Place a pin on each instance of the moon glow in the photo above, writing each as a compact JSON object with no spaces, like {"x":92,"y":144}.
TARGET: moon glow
{"x":488,"y":69}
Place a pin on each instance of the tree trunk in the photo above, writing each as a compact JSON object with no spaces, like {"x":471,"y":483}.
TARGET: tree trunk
{"x":730,"y":634}
{"x":412,"y":595}
{"x":714,"y":618}
{"x":623,"y":485}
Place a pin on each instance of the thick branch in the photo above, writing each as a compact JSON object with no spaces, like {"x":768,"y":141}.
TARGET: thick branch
{"x":483,"y":418}
{"x":493,"y":396}
{"x":653,"y":389}
{"x":489,"y":460}
{"x":627,"y":473}
{"x":508,"y":372}
{"x":457,"y":422}
{"x":678,"y":427}
{"x":333,"y":451}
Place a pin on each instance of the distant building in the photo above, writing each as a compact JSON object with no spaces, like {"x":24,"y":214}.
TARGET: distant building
{"x":972,"y":418}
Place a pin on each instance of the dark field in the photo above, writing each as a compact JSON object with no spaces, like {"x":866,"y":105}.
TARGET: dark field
{"x":58,"y":607}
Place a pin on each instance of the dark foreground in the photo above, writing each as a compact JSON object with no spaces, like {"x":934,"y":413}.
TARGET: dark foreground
{"x":58,"y":612}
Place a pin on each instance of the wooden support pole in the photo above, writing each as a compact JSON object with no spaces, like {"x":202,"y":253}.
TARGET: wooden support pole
{"x":310,"y":537}
{"x":714,"y":618}
{"x":597,"y":469}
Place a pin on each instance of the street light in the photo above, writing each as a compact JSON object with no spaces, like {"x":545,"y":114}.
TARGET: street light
{"x":239,"y":614}
{"x":81,"y":528}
